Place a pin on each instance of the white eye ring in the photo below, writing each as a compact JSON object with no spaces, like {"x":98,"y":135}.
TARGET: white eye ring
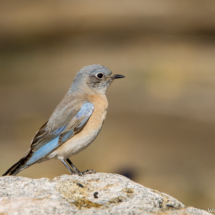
{"x":99,"y":75}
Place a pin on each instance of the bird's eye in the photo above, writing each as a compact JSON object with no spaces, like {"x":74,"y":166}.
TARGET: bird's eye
{"x":99,"y":75}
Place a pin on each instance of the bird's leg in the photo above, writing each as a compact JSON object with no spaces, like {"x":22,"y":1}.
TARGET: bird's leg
{"x":68,"y":167}
{"x":73,"y":166}
{"x":91,"y":171}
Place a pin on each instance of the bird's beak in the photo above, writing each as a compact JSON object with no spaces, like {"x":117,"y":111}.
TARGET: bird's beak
{"x":118,"y":76}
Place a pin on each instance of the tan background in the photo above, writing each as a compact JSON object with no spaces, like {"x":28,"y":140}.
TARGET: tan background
{"x":161,"y":120}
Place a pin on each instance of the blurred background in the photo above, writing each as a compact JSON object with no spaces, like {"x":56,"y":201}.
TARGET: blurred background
{"x":160,"y":128}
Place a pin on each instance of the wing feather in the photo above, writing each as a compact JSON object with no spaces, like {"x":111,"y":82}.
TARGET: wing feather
{"x":46,"y":140}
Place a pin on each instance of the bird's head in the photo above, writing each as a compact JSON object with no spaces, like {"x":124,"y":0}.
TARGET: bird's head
{"x":96,"y":77}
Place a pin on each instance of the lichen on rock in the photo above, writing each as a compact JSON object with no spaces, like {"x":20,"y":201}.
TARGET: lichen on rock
{"x":90,"y":194}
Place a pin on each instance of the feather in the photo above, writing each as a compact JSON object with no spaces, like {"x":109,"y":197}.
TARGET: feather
{"x":47,"y":140}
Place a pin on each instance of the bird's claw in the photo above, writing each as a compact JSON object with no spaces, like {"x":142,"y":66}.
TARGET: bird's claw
{"x":91,"y":171}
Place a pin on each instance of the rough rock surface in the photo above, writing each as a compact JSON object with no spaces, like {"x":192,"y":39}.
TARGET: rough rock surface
{"x":90,"y":194}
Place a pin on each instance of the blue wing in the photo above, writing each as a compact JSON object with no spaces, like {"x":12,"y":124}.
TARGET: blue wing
{"x":45,"y":141}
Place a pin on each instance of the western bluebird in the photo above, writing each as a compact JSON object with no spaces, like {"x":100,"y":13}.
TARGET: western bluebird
{"x":74,"y":124}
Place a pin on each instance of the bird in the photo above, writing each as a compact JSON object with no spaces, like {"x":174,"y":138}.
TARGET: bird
{"x":74,"y":124}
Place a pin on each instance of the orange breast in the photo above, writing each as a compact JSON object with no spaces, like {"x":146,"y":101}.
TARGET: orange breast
{"x":100,"y":109}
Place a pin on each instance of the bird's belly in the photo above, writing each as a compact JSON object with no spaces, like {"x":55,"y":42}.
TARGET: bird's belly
{"x":82,"y":139}
{"x":74,"y":145}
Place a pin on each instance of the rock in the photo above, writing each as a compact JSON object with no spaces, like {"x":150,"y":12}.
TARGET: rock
{"x":90,"y":194}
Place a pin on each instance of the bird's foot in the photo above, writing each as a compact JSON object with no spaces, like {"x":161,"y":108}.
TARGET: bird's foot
{"x":91,"y":171}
